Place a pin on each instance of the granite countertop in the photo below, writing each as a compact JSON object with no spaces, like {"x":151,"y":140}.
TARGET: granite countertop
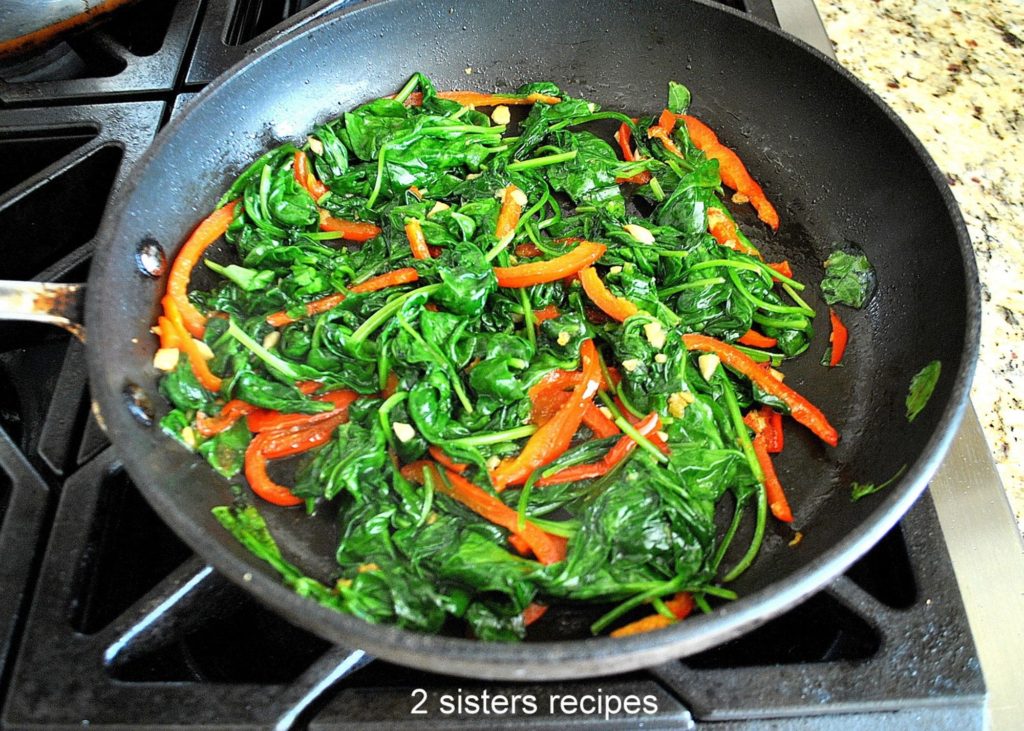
{"x":955,"y":73}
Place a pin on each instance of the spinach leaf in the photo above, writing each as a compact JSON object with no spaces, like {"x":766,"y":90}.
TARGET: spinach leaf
{"x":226,"y":451}
{"x":921,"y":387}
{"x":678,"y":98}
{"x":857,"y":490}
{"x":849,"y":278}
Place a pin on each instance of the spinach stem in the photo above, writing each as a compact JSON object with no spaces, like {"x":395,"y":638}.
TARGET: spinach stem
{"x":766,"y":306}
{"x":278,"y":364}
{"x":732,"y":264}
{"x":656,"y":190}
{"x":696,"y":284}
{"x":668,"y":587}
{"x":384,"y":411}
{"x":782,"y":323}
{"x":453,"y":374}
{"x":408,"y":89}
{"x":496,"y":437}
{"x":377,"y":318}
{"x":537,"y":162}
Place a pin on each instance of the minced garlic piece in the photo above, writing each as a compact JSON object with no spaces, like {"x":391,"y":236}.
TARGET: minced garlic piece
{"x":501,"y":115}
{"x":631,"y":364}
{"x":315,"y":145}
{"x":606,"y":411}
{"x":518,"y":196}
{"x":777,"y":375}
{"x":271,"y":339}
{"x":166,"y":359}
{"x":564,"y":338}
{"x":615,"y":269}
{"x":438,"y":207}
{"x":203,"y":348}
{"x":708,"y":363}
{"x":403,"y":431}
{"x":368,"y":567}
{"x":641,"y":234}
{"x":678,"y":402}
{"x":660,"y":358}
{"x":663,"y":436}
{"x":188,"y":436}
{"x":796,"y":539}
{"x":493,"y":461}
{"x":655,"y":334}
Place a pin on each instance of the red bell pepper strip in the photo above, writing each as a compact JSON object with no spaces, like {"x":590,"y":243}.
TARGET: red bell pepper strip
{"x":511,"y":210}
{"x":533,"y":612}
{"x":417,"y":241}
{"x":839,"y":337}
{"x":554,"y":436}
{"x":350,"y":230}
{"x":407,"y":275}
{"x":734,"y":173}
{"x":782,"y":268}
{"x":168,"y":333}
{"x":525,"y":275}
{"x":560,"y":380}
{"x":663,"y":131}
{"x":650,"y":424}
{"x":305,"y":178}
{"x":188,"y":346}
{"x":528,"y":251}
{"x":773,"y":488}
{"x":478,"y":99}
{"x":595,"y":420}
{"x":546,"y":313}
{"x":756,"y":340}
{"x":262,"y":420}
{"x":547,"y":548}
{"x":211,"y":229}
{"x":773,"y":435}
{"x":724,"y":230}
{"x":680,"y":605}
{"x":283,"y":443}
{"x":624,"y":136}
{"x":802,"y":410}
{"x":616,"y":308}
{"x":260,"y":482}
{"x":231,"y":412}
{"x":438,"y":454}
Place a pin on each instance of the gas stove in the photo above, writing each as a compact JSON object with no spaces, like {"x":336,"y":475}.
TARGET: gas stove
{"x":108,"y":620}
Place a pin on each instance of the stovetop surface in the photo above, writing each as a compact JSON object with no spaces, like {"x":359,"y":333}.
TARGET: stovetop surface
{"x":107,"y":619}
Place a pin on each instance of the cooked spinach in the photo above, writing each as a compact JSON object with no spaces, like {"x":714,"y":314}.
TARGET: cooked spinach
{"x":438,"y":356}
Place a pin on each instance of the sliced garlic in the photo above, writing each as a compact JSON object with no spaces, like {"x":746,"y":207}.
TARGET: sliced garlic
{"x":403,"y":431}
{"x":655,"y":334}
{"x":708,"y":363}
{"x":271,"y":339}
{"x":166,"y":359}
{"x":203,"y":348}
{"x":501,"y":115}
{"x":641,"y":234}
{"x":438,"y":207}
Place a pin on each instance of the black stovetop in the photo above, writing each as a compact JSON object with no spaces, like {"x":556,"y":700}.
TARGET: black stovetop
{"x":107,"y":619}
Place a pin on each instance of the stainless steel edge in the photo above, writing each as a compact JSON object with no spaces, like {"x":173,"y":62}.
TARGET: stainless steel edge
{"x":988,"y":559}
{"x":982,"y":537}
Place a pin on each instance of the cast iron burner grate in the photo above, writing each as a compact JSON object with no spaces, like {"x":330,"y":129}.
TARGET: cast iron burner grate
{"x":136,"y":50}
{"x":128,"y":627}
{"x":107,"y":619}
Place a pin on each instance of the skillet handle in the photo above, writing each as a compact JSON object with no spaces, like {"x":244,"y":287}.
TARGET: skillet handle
{"x":57,"y":304}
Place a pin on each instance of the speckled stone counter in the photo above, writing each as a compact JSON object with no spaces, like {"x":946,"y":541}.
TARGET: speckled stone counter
{"x":954,"y":71}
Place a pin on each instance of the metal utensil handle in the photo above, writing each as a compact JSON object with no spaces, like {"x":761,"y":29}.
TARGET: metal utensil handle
{"x":57,"y":304}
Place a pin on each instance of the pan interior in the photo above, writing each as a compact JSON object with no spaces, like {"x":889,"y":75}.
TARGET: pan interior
{"x":831,"y":158}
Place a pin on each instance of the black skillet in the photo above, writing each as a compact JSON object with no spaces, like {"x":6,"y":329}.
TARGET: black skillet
{"x":838,"y":164}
